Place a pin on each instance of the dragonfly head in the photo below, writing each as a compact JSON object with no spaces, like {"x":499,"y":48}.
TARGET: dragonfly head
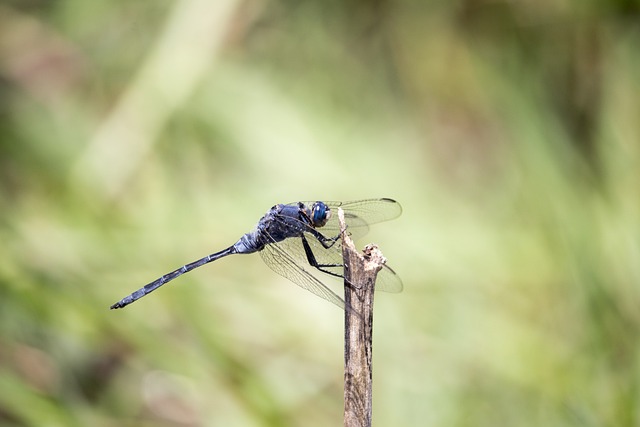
{"x":320,"y":214}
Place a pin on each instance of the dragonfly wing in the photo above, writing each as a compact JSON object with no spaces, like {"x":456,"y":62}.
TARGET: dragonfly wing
{"x":282,"y":263}
{"x":388,"y":281}
{"x":359,"y":214}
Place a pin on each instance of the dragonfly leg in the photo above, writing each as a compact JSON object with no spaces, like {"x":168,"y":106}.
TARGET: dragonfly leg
{"x":326,"y":242}
{"x":311,"y":258}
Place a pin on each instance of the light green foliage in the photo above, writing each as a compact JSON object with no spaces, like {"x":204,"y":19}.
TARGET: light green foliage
{"x":138,"y":136}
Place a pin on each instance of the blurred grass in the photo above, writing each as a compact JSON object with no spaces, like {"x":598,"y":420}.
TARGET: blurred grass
{"x":137,"y":136}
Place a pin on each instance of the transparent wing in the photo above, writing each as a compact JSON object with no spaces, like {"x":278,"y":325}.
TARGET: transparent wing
{"x":329,"y":260}
{"x":389,"y":281}
{"x":358,"y":215}
{"x":280,"y":261}
{"x":371,"y":210}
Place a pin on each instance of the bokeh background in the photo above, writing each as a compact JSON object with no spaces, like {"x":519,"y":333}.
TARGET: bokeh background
{"x":136,"y":136}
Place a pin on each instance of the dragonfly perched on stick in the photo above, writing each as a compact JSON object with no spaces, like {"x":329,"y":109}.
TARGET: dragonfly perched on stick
{"x":296,"y":238}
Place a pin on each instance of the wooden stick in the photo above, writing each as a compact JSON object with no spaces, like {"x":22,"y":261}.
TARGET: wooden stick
{"x":360,"y":271}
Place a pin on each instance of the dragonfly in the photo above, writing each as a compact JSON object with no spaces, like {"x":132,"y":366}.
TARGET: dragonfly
{"x":296,"y":239}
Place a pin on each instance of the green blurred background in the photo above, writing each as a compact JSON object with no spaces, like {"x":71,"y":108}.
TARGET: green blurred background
{"x":136,"y":136}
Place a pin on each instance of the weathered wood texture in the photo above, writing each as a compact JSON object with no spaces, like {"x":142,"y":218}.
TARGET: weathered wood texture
{"x":360,"y":272}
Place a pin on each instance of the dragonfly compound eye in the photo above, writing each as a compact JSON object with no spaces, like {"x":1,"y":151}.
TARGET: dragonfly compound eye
{"x":321,"y":214}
